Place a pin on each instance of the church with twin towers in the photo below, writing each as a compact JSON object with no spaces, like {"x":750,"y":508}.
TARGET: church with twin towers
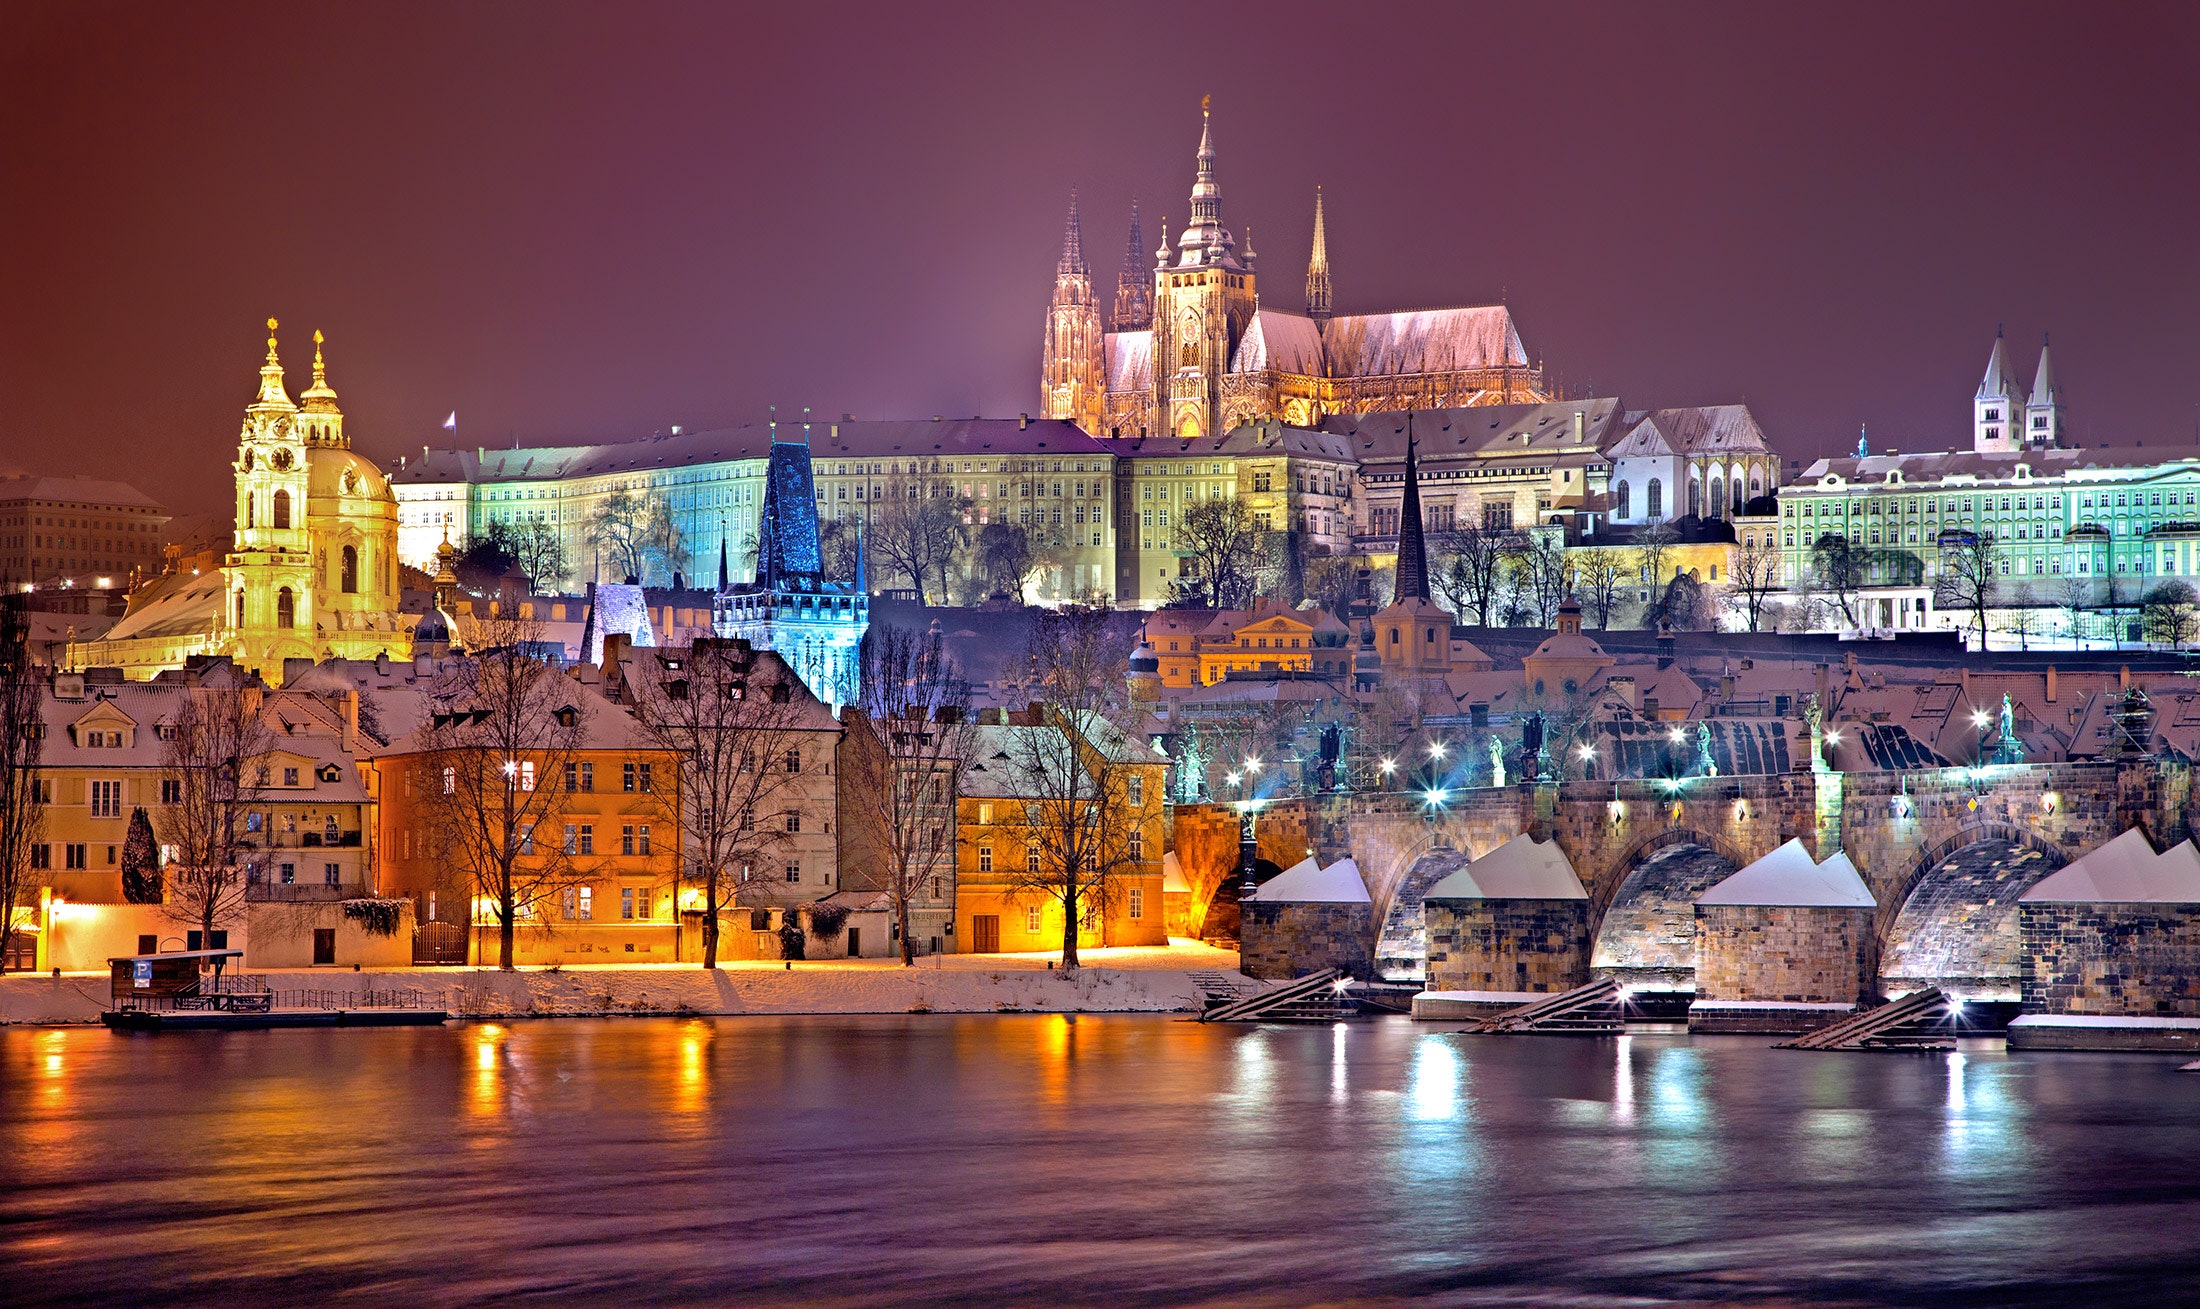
{"x":1189,"y":348}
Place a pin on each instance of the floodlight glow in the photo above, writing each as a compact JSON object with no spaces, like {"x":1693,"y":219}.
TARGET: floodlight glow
{"x":1978,"y":718}
{"x":1436,"y":795}
{"x":1436,"y":749}
{"x":1390,"y":765}
{"x":1588,"y":752}
{"x":1232,"y":778}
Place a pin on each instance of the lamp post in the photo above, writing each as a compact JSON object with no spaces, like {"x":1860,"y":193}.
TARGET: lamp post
{"x":1248,"y":853}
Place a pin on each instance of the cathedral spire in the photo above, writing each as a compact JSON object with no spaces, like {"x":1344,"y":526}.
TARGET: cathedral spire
{"x":1072,"y":262}
{"x":1134,"y":286}
{"x":1412,"y":548}
{"x":1204,"y":240}
{"x":1317,"y":268}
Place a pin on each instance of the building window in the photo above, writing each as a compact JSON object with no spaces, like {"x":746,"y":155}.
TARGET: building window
{"x":588,"y":902}
{"x":588,"y":838}
{"x":1135,"y":788}
{"x":289,"y":873}
{"x":1137,"y":847}
{"x":1654,"y":500}
{"x":1031,"y":859}
{"x":794,"y":761}
{"x":1031,"y":918}
{"x":286,"y":608}
{"x":332,"y":874}
{"x":626,"y":839}
{"x":527,"y":775}
{"x":450,"y":781}
{"x":985,"y":858}
{"x":282,"y":509}
{"x":350,"y":578}
{"x":794,"y":872}
{"x":1138,"y":902}
{"x":794,"y":820}
{"x":106,"y":799}
{"x":646,"y":784}
{"x":1619,"y":501}
{"x":73,"y":854}
{"x":626,"y":779}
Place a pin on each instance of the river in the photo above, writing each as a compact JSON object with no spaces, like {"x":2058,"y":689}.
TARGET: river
{"x":1092,"y":1160}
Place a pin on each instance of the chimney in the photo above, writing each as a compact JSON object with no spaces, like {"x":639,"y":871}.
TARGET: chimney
{"x":2051,"y":688}
{"x":1023,"y":421}
{"x":1726,"y":686}
{"x":1625,"y":689}
{"x":351,"y":720}
{"x":1581,"y":427}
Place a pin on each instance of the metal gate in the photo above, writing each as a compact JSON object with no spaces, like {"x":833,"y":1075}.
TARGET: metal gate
{"x":439,"y":943}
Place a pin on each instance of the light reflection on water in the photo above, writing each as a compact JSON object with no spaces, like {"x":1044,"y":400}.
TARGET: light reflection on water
{"x":900,"y":1160}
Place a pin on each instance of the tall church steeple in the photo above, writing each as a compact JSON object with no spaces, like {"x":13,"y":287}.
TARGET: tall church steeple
{"x":1317,"y":268}
{"x":1412,"y":547}
{"x":1205,"y":240}
{"x":2043,"y":413}
{"x":1994,"y":416}
{"x":1071,"y":382}
{"x":1202,"y":305}
{"x":1134,"y":285}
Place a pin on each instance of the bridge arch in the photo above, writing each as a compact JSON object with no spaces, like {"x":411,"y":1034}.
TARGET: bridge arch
{"x":1952,"y":921}
{"x":1643,"y":913}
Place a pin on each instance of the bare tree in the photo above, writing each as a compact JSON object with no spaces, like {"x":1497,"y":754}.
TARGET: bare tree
{"x":731,"y":715}
{"x":505,"y":724}
{"x":633,"y":531}
{"x":2170,"y":614}
{"x":902,"y":770}
{"x":1654,"y":548}
{"x":1223,"y":547}
{"x":22,"y":816}
{"x":1600,"y":580}
{"x":1469,"y":574}
{"x":540,"y":551}
{"x":1083,"y":794}
{"x":1967,"y":581}
{"x":1536,"y":568}
{"x":2074,"y":595}
{"x":1006,"y":557}
{"x":216,"y":755}
{"x":1837,"y":574}
{"x":1756,"y":576}
{"x":917,"y":534}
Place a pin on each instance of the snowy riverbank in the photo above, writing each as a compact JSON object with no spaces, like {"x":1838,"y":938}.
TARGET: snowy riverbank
{"x":1139,"y":983}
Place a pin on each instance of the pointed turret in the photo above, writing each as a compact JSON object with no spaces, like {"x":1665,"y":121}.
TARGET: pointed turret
{"x":1134,"y":285}
{"x":1317,"y":268}
{"x":1412,"y":548}
{"x":2043,"y":413}
{"x":723,"y":572}
{"x":1994,"y":416}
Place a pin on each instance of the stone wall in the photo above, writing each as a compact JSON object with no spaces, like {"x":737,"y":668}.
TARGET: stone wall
{"x":1797,"y":954}
{"x":1291,"y":939}
{"x":1507,"y":945}
{"x":2123,"y":960}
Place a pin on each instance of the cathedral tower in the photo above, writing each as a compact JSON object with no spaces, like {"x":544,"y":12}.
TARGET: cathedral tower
{"x":1317,"y":268}
{"x":1133,"y":290}
{"x":1203,"y":303}
{"x":1072,"y":383}
{"x":1994,"y":414}
{"x":2043,"y":414}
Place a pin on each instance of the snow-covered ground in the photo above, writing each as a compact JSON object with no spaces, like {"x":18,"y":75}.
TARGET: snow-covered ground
{"x":1121,"y":980}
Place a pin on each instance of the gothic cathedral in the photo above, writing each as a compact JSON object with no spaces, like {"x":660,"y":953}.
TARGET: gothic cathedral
{"x":1194,"y":352}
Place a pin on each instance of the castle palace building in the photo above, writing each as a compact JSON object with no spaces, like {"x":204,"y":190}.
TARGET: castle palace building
{"x":311,"y":573}
{"x":1196,"y":353}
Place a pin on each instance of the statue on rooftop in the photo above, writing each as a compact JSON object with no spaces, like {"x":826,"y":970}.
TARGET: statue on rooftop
{"x":1706,"y":766}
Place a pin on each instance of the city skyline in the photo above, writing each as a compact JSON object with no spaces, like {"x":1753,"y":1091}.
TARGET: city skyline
{"x":1832,"y":244}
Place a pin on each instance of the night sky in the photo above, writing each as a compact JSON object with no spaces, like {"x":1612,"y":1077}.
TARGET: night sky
{"x":580,"y":223}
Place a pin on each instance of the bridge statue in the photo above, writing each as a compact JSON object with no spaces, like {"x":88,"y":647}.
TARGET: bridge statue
{"x":2008,"y":749}
{"x":1497,"y":762}
{"x":1706,"y":766}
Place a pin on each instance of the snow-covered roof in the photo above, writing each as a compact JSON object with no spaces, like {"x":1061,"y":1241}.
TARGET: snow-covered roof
{"x":1172,"y":875}
{"x":2126,"y":870}
{"x":1130,"y":360}
{"x":1307,"y":882}
{"x":1285,"y":342}
{"x":1789,"y":877}
{"x":1521,"y":869}
{"x":1423,"y":341}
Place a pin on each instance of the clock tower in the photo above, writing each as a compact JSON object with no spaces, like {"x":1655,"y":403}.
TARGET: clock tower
{"x":267,"y":612}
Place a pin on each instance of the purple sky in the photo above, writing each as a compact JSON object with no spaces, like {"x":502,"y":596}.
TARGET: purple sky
{"x":583,"y":223}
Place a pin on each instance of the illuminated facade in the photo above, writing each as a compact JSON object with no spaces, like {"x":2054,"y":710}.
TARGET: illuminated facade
{"x":1202,"y":354}
{"x":312,"y":571}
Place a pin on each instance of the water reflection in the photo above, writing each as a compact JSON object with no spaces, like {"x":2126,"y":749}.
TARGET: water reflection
{"x":900,"y":1160}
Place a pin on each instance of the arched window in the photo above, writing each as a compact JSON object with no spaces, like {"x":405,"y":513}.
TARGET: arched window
{"x":286,"y":606}
{"x":1695,"y":498}
{"x":1619,"y":501}
{"x":350,"y":582}
{"x":282,"y":510}
{"x":240,"y":608}
{"x":1717,"y":496}
{"x":1739,"y":503}
{"x":1654,"y":501}
{"x":251,"y":510}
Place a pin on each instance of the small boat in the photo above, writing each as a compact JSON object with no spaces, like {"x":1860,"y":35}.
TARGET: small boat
{"x":186,"y":990}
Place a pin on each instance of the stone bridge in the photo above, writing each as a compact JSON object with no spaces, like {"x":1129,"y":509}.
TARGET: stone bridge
{"x":1946,"y":852}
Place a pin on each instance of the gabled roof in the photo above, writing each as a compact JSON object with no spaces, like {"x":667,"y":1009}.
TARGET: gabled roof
{"x":1701,"y":429}
{"x":1129,"y":360}
{"x":1284,"y":342}
{"x":1788,"y":877}
{"x":1521,"y":869}
{"x":1307,"y":882}
{"x":2124,"y":871}
{"x":1423,"y":341}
